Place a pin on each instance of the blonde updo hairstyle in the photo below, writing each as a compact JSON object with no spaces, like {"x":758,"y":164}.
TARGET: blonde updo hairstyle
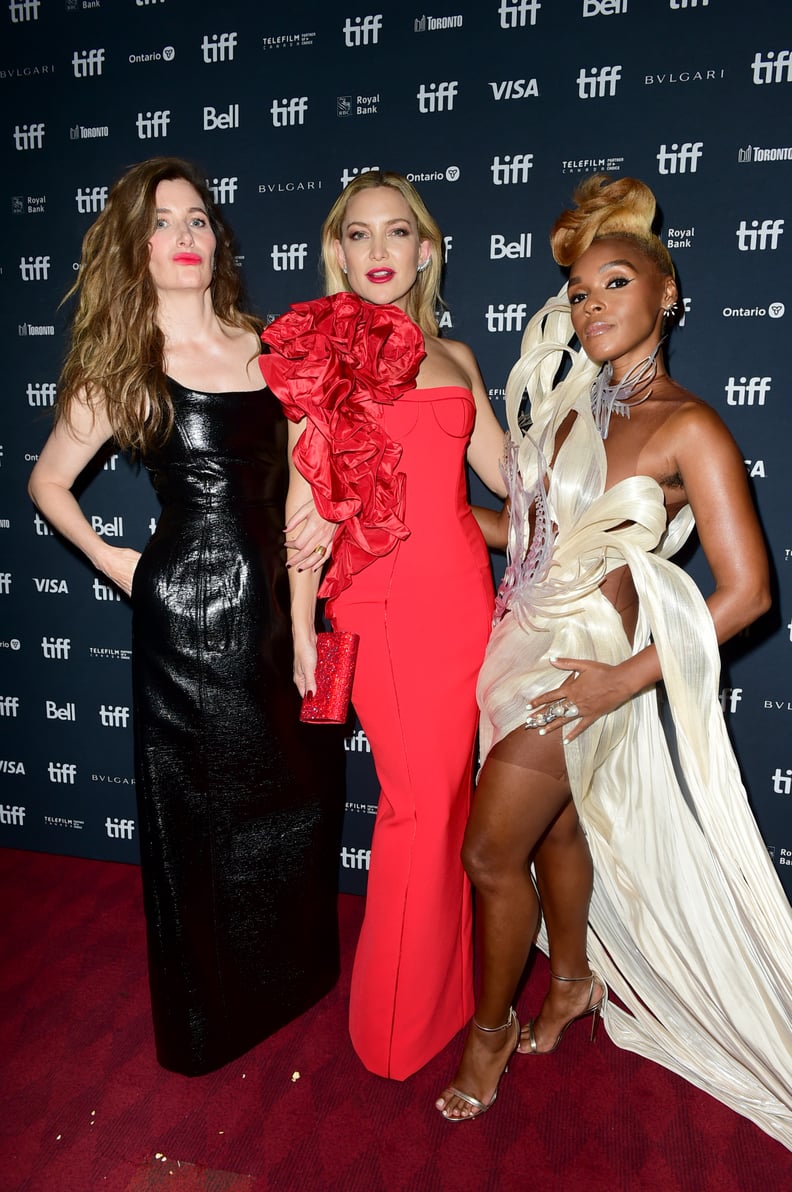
{"x":622,"y":208}
{"x":424,"y":297}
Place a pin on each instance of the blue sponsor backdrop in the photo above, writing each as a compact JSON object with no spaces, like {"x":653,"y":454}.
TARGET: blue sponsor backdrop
{"x":495,"y":109}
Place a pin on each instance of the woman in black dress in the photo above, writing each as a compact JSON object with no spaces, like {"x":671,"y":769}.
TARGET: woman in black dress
{"x":239,"y":815}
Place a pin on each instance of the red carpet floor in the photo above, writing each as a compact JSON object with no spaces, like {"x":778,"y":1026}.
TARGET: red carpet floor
{"x":84,"y":1106}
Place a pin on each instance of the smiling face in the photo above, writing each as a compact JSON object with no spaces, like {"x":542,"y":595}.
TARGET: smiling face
{"x":618,"y":295}
{"x":183,"y":244}
{"x":379,"y":247}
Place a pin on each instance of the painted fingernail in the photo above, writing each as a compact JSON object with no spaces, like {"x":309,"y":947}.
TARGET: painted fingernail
{"x":309,"y":695}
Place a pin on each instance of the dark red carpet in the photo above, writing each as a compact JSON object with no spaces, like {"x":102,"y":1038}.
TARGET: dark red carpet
{"x":85,"y":1107}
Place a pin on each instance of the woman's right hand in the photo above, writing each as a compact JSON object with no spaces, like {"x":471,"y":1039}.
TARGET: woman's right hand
{"x":305,"y":663}
{"x":119,"y":566}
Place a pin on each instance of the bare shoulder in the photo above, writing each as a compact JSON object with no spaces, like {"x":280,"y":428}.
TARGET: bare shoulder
{"x":459,"y":352}
{"x":449,"y":362}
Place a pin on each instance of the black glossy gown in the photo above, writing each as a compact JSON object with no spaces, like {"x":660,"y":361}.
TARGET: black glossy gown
{"x":240,"y":806}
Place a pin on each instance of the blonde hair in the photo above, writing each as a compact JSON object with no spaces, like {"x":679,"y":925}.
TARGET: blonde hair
{"x":623,"y":208}
{"x":116,"y":350}
{"x":424,"y":297}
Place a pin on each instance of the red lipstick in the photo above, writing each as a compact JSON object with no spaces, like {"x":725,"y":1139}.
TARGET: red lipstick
{"x":187,"y":258}
{"x":380,"y":276}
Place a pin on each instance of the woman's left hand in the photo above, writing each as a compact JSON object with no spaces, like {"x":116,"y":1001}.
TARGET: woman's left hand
{"x":591,"y":691}
{"x":309,"y":538}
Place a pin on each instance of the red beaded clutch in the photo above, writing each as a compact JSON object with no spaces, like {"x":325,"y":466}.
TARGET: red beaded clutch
{"x":335,"y":668}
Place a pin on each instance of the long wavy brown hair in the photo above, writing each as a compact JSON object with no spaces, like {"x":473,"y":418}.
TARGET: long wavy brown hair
{"x":116,"y":352}
{"x":424,"y":297}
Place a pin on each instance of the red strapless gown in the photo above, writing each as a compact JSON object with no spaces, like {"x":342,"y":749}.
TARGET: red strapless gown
{"x":423,"y":612}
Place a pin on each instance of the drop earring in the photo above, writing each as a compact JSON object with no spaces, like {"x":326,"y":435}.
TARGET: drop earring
{"x":423,"y":264}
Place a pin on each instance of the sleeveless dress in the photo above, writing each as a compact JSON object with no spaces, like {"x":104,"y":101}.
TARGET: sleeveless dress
{"x":240,"y":813}
{"x":689,"y":924}
{"x":422,"y":605}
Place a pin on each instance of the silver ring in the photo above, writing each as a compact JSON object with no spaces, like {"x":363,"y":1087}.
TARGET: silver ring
{"x":572,"y":711}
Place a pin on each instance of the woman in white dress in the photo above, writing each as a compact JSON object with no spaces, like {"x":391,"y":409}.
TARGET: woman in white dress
{"x":579,"y":821}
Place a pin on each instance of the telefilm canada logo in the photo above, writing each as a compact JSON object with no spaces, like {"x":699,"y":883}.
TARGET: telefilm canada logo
{"x":592,"y":165}
{"x":288,"y":41}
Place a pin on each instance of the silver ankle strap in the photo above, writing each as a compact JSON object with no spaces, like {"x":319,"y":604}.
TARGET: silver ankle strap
{"x":491,"y":1030}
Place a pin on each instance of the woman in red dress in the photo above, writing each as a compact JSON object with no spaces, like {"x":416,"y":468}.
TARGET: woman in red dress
{"x":384,"y":414}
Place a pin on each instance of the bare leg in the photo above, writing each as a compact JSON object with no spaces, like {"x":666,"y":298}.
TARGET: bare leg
{"x":564,"y":875}
{"x":512,"y":809}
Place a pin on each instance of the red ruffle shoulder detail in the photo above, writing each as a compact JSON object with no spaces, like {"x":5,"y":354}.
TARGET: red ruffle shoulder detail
{"x":333,"y":361}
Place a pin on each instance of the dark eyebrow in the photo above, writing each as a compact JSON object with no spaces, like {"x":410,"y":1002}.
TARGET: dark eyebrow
{"x":169,"y":210}
{"x":607,"y":265}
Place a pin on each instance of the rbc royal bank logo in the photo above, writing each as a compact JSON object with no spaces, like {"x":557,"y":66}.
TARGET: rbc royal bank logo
{"x":679,"y":159}
{"x":362,"y":31}
{"x":223,"y":190}
{"x":90,"y":199}
{"x":29,"y":136}
{"x":152,"y":124}
{"x":289,"y":111}
{"x":511,"y":170}
{"x":286,"y":257}
{"x":775,"y":68}
{"x":87,"y":63}
{"x":436,"y":97}
{"x":34,"y":268}
{"x":747,"y":391}
{"x":23,"y":10}
{"x":516,"y":14}
{"x":759,"y":237}
{"x":219,"y":47}
{"x":599,"y":82}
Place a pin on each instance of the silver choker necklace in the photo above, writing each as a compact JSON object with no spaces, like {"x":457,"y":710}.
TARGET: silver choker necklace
{"x":607,"y":399}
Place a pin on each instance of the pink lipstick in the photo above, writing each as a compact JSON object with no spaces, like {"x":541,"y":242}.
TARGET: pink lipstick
{"x":187,"y":258}
{"x":380,"y":276}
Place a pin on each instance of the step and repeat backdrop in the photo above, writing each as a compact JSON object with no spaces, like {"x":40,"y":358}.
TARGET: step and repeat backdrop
{"x":495,"y":109}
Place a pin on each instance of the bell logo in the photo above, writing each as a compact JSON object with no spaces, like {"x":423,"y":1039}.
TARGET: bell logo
{"x":599,"y":83}
{"x":152,"y":124}
{"x":213,"y":119}
{"x":108,"y":529}
{"x":288,"y":256}
{"x":223,"y":190}
{"x":348,"y":175}
{"x":500,"y":247}
{"x":219,"y":47}
{"x":42,"y":394}
{"x":87,"y":63}
{"x":516,"y":14}
{"x":29,"y":136}
{"x":511,"y":169}
{"x":680,"y":158}
{"x":289,"y":111}
{"x":758,"y":237}
{"x":747,"y":391}
{"x":506,"y":318}
{"x":90,"y":199}
{"x":119,"y":829}
{"x":438,"y":97}
{"x":62,"y":772}
{"x":775,"y":68}
{"x":604,"y":8}
{"x":362,"y":31}
{"x":53,"y":712}
{"x":23,"y":10}
{"x":34,"y":268}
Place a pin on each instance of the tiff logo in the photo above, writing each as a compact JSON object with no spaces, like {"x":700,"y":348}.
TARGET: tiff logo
{"x":152,"y":124}
{"x":348,"y":175}
{"x":23,"y":10}
{"x":357,"y":742}
{"x":355,"y":858}
{"x":114,"y":717}
{"x":29,"y":136}
{"x":219,"y":47}
{"x":747,"y":391}
{"x":223,"y":189}
{"x":514,"y":14}
{"x":42,"y":394}
{"x":34,"y":268}
{"x":9,"y":705}
{"x":759,"y":238}
{"x":42,"y":529}
{"x":506,"y":318}
{"x":12,"y":815}
{"x":62,"y":772}
{"x":677,"y":4}
{"x":775,"y":68}
{"x":289,"y":111}
{"x":599,"y":82}
{"x":679,"y":158}
{"x":56,"y":647}
{"x":511,"y":169}
{"x":5,"y":583}
{"x":782,"y":783}
{"x":90,"y":199}
{"x":119,"y":829}
{"x":87,"y":63}
{"x":362,"y":31}
{"x":730,"y":697}
{"x":104,"y":591}
{"x":288,"y":256}
{"x":435,"y":98}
